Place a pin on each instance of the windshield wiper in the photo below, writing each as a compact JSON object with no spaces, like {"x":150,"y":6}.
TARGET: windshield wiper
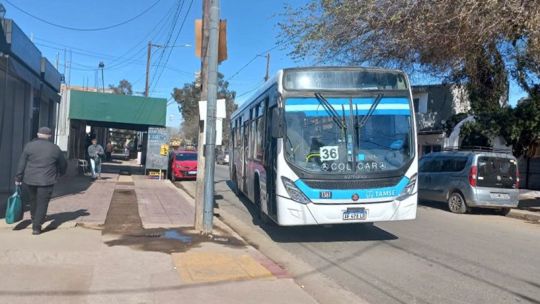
{"x":342,"y":124}
{"x":331,"y":111}
{"x":370,"y":112}
{"x":358,"y":125}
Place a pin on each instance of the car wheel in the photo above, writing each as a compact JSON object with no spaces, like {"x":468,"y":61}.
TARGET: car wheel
{"x":457,"y":204}
{"x":504,"y":211}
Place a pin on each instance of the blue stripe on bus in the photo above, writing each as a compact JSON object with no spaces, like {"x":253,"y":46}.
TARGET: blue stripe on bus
{"x":345,"y":101}
{"x":384,"y":192}
{"x":323,"y":113}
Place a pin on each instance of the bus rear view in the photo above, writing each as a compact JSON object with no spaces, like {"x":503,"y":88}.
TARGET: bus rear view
{"x":344,"y":151}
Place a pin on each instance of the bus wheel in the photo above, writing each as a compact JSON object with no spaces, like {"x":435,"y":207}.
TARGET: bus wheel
{"x":262,"y":216}
{"x":235,"y":182}
{"x":457,"y":204}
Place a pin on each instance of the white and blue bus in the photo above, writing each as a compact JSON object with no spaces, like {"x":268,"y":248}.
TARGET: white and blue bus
{"x":328,"y":145}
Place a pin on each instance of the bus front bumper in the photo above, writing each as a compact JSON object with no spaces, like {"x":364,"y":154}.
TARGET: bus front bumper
{"x":291,"y":213}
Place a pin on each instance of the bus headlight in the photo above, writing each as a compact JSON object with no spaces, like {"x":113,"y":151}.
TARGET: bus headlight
{"x":409,"y":188}
{"x":296,"y":194}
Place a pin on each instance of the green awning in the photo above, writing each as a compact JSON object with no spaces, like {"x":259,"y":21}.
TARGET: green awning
{"x":114,"y":110}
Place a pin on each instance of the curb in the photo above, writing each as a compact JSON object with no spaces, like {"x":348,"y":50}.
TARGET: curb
{"x":524,"y":215}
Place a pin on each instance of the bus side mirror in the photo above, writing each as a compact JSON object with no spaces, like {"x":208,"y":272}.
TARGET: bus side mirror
{"x":277,"y":123}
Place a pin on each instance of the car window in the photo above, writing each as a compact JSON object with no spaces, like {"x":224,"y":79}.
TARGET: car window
{"x":447,"y":164}
{"x":453,"y":164}
{"x":422,"y":164}
{"x":186,"y":156}
{"x":432,"y":165}
{"x":496,"y":172}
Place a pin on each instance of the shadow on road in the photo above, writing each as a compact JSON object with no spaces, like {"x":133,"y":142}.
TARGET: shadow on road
{"x":334,"y":233}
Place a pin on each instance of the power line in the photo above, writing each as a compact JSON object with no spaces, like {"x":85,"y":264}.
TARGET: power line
{"x":59,"y":46}
{"x":116,"y":60}
{"x":84,"y":29}
{"x":144,"y":40}
{"x":250,"y":90}
{"x":169,"y":37}
{"x":174,"y":22}
{"x":250,"y":62}
{"x":175,"y":40}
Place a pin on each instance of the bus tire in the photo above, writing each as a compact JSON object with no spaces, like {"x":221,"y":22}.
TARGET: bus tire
{"x":262,"y":216}
{"x":457,"y":204}
{"x":236,"y":188}
{"x":173,"y":178}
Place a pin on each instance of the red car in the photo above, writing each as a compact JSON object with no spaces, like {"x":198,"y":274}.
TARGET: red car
{"x":184,"y":165}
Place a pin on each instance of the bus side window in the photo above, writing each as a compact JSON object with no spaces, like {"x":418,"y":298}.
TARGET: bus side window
{"x":259,"y":149}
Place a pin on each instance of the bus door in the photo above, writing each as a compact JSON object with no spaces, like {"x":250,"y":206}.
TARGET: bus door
{"x":270,"y":161}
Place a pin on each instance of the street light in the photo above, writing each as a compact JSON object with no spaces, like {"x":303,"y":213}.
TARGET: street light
{"x":149,"y":55}
{"x":2,"y":11}
{"x":102,"y":67}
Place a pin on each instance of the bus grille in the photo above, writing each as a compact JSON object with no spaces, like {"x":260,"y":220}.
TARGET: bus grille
{"x":353,"y":184}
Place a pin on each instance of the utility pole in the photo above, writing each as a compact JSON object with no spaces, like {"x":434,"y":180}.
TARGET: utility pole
{"x":69,"y":68}
{"x":148,"y":55}
{"x":267,"y":66}
{"x":201,"y":160}
{"x":212,"y":88}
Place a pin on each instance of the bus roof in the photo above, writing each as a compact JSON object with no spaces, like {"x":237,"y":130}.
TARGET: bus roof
{"x":279,"y":74}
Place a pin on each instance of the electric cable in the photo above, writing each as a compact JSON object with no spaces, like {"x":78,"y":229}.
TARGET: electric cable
{"x":84,"y":29}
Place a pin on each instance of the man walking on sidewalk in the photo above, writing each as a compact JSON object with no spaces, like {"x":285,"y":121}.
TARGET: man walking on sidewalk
{"x":95,"y":152}
{"x":40,"y":165}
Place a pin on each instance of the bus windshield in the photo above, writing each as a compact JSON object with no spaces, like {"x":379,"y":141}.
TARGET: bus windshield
{"x":345,"y":135}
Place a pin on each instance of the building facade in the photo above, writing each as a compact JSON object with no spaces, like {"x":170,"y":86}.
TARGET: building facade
{"x":29,"y":97}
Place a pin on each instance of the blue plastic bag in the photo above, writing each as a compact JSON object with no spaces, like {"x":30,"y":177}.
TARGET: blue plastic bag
{"x":14,"y":207}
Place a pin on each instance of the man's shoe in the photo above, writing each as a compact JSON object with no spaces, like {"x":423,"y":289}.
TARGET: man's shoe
{"x":36,"y":231}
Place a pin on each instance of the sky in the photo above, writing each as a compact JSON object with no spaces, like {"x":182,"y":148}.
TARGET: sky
{"x":251,"y":30}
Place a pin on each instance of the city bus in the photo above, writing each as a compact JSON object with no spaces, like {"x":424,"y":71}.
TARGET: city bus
{"x":327,"y":145}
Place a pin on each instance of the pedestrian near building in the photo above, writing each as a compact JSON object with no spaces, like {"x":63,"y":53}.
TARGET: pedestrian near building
{"x":40,"y":166}
{"x":95,"y":152}
{"x":126,"y":150}
{"x":109,"y":150}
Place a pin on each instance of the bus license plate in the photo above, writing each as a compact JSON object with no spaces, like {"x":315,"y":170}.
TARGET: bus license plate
{"x":192,"y":172}
{"x":355,"y":214}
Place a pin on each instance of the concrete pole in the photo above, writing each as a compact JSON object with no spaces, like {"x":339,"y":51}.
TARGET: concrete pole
{"x":199,"y":193}
{"x":212,"y":88}
{"x":266,"y":76}
{"x":148,"y":55}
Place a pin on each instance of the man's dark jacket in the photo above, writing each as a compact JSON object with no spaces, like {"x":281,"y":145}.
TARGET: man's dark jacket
{"x":41,"y":163}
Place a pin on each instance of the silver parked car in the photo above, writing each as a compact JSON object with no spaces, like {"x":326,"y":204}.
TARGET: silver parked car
{"x":466,"y":179}
{"x":222,"y":157}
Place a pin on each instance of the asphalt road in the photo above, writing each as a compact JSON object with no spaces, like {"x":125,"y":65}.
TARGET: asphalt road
{"x":438,"y":258}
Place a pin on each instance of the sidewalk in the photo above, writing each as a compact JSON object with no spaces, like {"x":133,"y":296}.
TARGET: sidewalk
{"x":125,"y":251}
{"x":529,"y":206}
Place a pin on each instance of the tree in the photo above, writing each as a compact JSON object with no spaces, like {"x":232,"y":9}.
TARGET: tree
{"x":188,"y":102}
{"x":476,"y":42}
{"x":123,"y":88}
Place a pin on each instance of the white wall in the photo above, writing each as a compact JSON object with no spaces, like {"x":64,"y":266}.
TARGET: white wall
{"x":62,"y":135}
